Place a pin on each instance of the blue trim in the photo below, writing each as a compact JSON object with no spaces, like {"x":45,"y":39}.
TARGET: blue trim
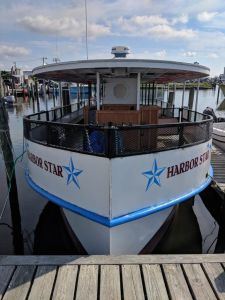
{"x":121,"y":219}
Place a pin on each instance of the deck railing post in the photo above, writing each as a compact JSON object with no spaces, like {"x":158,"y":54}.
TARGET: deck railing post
{"x":27,"y":129}
{"x":188,"y":116}
{"x":47,"y":115}
{"x":181,"y":135}
{"x":107,"y":141}
{"x":195,"y":116}
{"x":48,"y":140}
{"x":181,"y":114}
{"x":110,"y":142}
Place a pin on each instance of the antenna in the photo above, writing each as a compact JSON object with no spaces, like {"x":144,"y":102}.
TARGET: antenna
{"x":43,"y":60}
{"x":86,"y":33}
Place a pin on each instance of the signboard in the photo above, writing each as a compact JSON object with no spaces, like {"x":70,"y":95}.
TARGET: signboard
{"x":80,"y":179}
{"x":153,"y":179}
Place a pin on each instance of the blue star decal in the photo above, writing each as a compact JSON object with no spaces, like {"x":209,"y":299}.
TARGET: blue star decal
{"x":209,"y":146}
{"x":73,"y":173}
{"x":153,"y":175}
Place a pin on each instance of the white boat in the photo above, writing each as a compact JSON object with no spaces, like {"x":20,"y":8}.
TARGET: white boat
{"x":120,"y":175}
{"x":219,"y":134}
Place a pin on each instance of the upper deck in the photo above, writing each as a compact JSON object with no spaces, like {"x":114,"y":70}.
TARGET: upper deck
{"x":84,"y":71}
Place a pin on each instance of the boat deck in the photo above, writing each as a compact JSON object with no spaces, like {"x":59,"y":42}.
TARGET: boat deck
{"x":218,"y":163}
{"x":113,"y":277}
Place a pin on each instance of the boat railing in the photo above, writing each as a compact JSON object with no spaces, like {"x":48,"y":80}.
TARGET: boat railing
{"x":55,"y":113}
{"x":188,"y":128}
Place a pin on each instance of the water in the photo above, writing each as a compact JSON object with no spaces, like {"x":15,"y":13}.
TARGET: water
{"x":43,"y":229}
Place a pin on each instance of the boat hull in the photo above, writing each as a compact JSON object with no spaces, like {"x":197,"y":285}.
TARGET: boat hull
{"x":116,"y":206}
{"x":127,"y":238}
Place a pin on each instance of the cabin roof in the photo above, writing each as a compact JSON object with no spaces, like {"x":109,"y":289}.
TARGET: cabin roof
{"x":84,"y":71}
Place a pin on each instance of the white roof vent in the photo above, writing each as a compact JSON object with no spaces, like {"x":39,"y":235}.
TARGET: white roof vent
{"x":120,"y":51}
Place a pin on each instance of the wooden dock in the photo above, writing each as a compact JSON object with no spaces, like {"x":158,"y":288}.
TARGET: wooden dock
{"x":113,"y":277}
{"x":218,"y":164}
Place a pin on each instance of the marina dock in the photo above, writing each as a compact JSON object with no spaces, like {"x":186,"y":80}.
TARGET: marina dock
{"x":113,"y":277}
{"x":218,"y":163}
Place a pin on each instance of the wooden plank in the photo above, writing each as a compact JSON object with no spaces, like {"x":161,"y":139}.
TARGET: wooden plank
{"x":109,"y":259}
{"x":110,"y":282}
{"x":20,"y":283}
{"x":43,"y":283}
{"x":154,"y":283}
{"x":65,"y":283}
{"x":177,"y":285}
{"x":132,"y":283}
{"x":5,"y":275}
{"x":198,"y":282}
{"x":87,"y":286}
{"x":216,"y":275}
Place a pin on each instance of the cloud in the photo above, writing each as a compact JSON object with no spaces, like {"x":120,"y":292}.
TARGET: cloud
{"x":155,"y":26}
{"x":149,"y":20}
{"x":189,"y":54}
{"x":168,"y":32}
{"x":149,"y":55}
{"x":213,"y":55}
{"x":206,"y":16}
{"x":180,"y":19}
{"x":160,"y":54}
{"x":66,"y":27}
{"x":13,"y":51}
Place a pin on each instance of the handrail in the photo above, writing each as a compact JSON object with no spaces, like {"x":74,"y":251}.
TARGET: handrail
{"x":207,"y":118}
{"x":121,"y":140}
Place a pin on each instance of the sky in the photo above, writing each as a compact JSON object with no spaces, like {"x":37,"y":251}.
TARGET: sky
{"x":181,"y":30}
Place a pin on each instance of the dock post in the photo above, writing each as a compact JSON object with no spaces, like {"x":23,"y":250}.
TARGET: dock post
{"x":218,"y":94}
{"x":37,"y":94}
{"x":44,"y":94}
{"x":6,"y":145}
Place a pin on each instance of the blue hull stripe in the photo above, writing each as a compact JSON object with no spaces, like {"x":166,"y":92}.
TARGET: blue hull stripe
{"x":121,"y":219}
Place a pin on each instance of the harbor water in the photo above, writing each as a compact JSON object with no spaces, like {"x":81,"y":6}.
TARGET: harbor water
{"x":43,"y":229}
